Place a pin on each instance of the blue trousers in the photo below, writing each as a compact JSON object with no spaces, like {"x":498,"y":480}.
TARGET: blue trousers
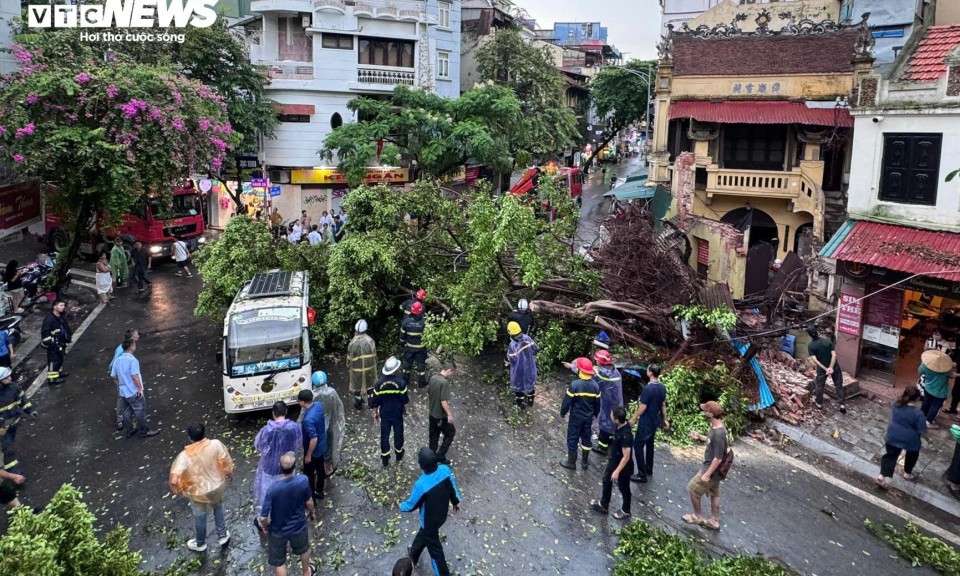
{"x":386,"y":425}
{"x":578,"y":429}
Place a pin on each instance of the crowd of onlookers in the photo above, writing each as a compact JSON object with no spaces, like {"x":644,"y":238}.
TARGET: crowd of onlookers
{"x":328,"y":229}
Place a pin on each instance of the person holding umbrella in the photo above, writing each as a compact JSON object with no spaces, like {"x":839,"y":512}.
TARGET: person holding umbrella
{"x":936,"y":369}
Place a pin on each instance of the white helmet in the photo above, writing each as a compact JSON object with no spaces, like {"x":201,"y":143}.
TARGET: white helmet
{"x":361,"y":326}
{"x":391,"y":366}
{"x":523,"y":304}
{"x":5,"y":372}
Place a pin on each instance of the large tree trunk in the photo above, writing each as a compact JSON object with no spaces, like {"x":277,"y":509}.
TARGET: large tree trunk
{"x":81,"y":229}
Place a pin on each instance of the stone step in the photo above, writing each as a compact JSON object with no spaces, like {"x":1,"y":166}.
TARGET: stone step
{"x":851,"y":387}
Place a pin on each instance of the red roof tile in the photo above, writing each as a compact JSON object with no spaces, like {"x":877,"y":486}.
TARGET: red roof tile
{"x":927,"y":61}
{"x":903,"y":249}
{"x":769,"y":112}
{"x":754,"y":55}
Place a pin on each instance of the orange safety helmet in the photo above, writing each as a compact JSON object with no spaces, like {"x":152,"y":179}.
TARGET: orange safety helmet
{"x":417,"y":308}
{"x":603,"y":357}
{"x":585,"y":365}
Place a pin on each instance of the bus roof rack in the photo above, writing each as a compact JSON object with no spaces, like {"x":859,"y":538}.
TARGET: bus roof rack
{"x":273,"y":283}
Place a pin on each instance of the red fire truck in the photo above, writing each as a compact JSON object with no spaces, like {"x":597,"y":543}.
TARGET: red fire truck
{"x":148,"y":221}
{"x":570,"y":179}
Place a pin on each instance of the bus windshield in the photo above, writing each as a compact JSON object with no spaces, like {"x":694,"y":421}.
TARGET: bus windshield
{"x":264,"y":341}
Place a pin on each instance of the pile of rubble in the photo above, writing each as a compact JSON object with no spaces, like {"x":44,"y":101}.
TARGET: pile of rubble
{"x":790,"y":381}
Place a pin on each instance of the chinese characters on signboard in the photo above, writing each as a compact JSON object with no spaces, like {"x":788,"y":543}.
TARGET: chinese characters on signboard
{"x":851,"y":312}
{"x":755,"y":88}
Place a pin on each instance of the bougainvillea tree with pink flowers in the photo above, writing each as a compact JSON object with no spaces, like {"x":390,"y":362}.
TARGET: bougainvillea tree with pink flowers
{"x":104,"y":132}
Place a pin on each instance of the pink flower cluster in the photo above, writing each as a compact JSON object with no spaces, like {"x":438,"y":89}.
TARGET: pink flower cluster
{"x":18,"y":158}
{"x":178,"y":124}
{"x":21,"y":55}
{"x":131,"y":108}
{"x":81,"y":78}
{"x":112,"y":91}
{"x":204,"y":124}
{"x":26,"y":130}
{"x":31,"y":99}
{"x":220,"y":144}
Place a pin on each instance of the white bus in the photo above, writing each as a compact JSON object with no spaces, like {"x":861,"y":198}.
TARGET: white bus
{"x":266,"y":347}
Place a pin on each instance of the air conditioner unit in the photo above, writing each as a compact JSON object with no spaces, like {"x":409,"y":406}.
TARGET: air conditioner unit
{"x":279,"y":176}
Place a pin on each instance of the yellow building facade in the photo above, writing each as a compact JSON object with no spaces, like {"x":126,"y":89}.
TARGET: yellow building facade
{"x":752,"y":136}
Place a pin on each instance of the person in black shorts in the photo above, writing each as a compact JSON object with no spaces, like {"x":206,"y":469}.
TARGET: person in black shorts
{"x":287,"y":507}
{"x":619,"y":467}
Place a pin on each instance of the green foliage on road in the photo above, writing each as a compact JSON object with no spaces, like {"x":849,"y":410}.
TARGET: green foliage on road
{"x":548,"y":125}
{"x":62,"y":541}
{"x":469,"y":251}
{"x":687,"y":387}
{"x":717,"y":317}
{"x":647,"y":550}
{"x":440,"y":134}
{"x":918,"y":549}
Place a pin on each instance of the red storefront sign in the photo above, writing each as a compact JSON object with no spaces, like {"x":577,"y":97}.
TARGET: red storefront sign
{"x":20,"y":206}
{"x":703,"y":252}
{"x":850,"y":316}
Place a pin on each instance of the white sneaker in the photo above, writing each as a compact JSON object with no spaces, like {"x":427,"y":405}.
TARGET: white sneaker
{"x":192,"y":545}
{"x":225,"y":540}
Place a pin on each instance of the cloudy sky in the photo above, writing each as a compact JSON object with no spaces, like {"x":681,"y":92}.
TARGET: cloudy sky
{"x":633,"y":25}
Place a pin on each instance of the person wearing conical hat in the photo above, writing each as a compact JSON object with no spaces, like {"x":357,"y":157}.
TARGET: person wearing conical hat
{"x":825,"y":357}
{"x":936,"y":369}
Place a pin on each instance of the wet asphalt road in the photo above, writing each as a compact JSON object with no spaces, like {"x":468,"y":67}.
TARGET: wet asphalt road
{"x":595,"y":207}
{"x":521,"y":512}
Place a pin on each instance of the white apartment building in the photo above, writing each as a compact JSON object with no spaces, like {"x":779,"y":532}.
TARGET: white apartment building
{"x":9,"y":9}
{"x":320,"y":54}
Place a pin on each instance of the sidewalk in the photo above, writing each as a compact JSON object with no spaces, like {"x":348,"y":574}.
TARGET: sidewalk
{"x":855,"y":441}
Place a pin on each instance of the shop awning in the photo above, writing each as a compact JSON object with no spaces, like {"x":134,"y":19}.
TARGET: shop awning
{"x":901,"y":248}
{"x":768,"y":112}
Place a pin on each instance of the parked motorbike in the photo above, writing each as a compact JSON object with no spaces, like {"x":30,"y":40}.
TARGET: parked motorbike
{"x":34,"y":276}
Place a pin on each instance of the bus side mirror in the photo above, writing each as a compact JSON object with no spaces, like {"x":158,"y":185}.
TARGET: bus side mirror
{"x":220,"y":357}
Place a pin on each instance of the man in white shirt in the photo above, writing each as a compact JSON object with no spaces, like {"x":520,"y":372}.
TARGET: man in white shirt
{"x":326,"y":219}
{"x":314,"y":237}
{"x":182,"y":255}
{"x":296,"y":234}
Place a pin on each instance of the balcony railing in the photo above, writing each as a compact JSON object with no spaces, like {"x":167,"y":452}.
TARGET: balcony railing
{"x":386,"y":76}
{"x":289,"y":70}
{"x":766,"y":183}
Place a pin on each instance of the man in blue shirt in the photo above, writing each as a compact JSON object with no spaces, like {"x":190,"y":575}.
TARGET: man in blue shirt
{"x":131,"y":334}
{"x":432,"y":494}
{"x":287,"y":507}
{"x":314,"y":442}
{"x":651,"y":414}
{"x":126,"y":369}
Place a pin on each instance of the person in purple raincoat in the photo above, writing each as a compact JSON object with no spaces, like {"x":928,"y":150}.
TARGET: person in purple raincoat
{"x":276,"y":438}
{"x":521,"y":358}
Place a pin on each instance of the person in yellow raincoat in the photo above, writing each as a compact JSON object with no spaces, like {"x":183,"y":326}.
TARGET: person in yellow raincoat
{"x":202,"y":472}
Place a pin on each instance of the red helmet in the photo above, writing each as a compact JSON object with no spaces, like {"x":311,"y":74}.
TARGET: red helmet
{"x":421,"y":294}
{"x":417,"y":308}
{"x":585,"y":365}
{"x":603,"y":357}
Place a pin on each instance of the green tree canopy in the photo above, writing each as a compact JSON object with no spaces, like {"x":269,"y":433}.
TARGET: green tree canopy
{"x":105,"y":132}
{"x":440,"y":134}
{"x":548,"y":125}
{"x":620,"y":95}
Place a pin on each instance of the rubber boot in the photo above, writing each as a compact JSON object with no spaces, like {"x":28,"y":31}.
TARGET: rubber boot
{"x":584,"y":459}
{"x":357,"y":402}
{"x":571,"y":462}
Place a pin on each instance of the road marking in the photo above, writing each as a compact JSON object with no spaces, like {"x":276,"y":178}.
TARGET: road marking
{"x":42,"y":377}
{"x":862,"y":494}
{"x":84,"y":284}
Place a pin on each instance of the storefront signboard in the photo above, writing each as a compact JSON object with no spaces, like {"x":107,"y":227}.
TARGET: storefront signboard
{"x":881,"y":319}
{"x":850,"y":315}
{"x":874,"y":275}
{"x":333,"y":176}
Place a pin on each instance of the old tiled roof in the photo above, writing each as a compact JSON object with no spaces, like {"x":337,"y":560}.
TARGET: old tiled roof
{"x":927,"y":61}
{"x":754,"y":55}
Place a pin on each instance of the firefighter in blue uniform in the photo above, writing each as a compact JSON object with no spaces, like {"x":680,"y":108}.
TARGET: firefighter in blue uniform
{"x":611,"y":396}
{"x":582,"y":401}
{"x":388,"y":399}
{"x":408,"y":303}
{"x":414,"y":350}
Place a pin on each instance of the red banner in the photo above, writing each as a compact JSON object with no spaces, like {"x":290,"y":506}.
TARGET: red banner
{"x":703,"y":252}
{"x":20,"y":206}
{"x":850,"y":316}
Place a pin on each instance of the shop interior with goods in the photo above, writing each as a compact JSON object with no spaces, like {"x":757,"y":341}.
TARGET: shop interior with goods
{"x":898,"y":325}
